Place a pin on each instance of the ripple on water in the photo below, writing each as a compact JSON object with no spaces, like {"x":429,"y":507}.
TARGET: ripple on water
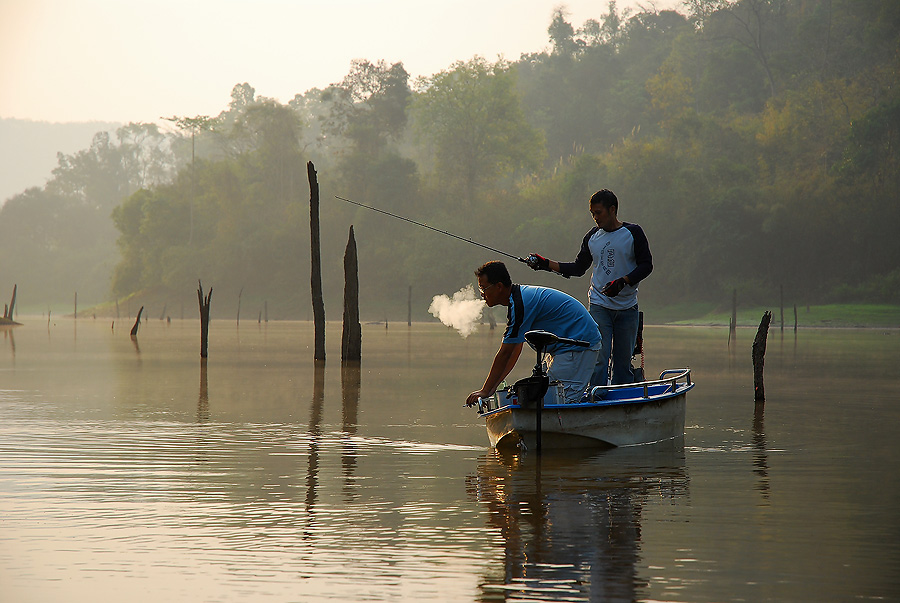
{"x":263,"y":504}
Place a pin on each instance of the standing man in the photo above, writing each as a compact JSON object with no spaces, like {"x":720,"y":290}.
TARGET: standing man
{"x":538,"y":308}
{"x":621,"y":258}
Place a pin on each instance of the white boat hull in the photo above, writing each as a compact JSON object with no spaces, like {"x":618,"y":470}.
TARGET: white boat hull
{"x":635,"y":416}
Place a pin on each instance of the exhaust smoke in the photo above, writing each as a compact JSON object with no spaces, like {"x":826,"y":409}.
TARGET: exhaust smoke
{"x":462,"y":312}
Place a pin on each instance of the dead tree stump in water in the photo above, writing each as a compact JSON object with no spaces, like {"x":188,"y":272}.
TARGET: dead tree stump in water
{"x":732,"y":324}
{"x":203,"y":399}
{"x":137,"y":323}
{"x":759,"y":357}
{"x":351,"y":338}
{"x":315,"y":273}
{"x":10,"y":309}
{"x":240,"y":293}
{"x":12,"y":304}
{"x":204,"y":319}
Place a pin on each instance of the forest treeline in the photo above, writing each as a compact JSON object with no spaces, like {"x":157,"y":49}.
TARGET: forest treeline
{"x":755,"y":141}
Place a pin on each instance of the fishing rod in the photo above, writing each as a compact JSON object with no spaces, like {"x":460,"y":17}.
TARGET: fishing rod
{"x":443,"y":232}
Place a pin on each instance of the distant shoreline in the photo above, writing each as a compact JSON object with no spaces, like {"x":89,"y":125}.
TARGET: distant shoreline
{"x":34,"y":319}
{"x":825,"y":316}
{"x":773,"y":327}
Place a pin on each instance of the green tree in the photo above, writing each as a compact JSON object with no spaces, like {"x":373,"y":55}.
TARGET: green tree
{"x":757,"y":25}
{"x":61,"y":234}
{"x":368,"y":107}
{"x":312,"y":110}
{"x":273,"y":151}
{"x":472,"y":116}
{"x":232,"y":219}
{"x":562,"y":34}
{"x":194,"y":125}
{"x":99,"y":176}
{"x":367,"y":113}
{"x":146,"y":154}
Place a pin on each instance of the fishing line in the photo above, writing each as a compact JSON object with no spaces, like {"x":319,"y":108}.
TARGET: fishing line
{"x":443,"y":232}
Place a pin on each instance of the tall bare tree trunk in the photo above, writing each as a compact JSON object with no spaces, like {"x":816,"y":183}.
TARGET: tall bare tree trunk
{"x":732,"y":325}
{"x":240,"y":293}
{"x":759,"y":358}
{"x":204,"y":319}
{"x":12,"y":303}
{"x":137,"y":323}
{"x":315,"y":275}
{"x":351,"y":339}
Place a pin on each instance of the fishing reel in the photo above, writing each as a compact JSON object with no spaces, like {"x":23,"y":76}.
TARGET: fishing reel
{"x":485,"y":405}
{"x":482,"y":406}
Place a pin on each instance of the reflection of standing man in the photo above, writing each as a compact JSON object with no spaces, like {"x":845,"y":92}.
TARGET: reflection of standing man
{"x":621,"y":257}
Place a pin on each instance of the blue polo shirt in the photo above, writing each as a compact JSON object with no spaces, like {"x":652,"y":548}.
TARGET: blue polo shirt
{"x":541,"y":308}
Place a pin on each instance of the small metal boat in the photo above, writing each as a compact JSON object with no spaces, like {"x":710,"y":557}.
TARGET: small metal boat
{"x":534,"y":413}
{"x":628,"y":415}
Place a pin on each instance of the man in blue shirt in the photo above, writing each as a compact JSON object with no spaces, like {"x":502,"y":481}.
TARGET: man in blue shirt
{"x":538,"y":308}
{"x":621,"y":257}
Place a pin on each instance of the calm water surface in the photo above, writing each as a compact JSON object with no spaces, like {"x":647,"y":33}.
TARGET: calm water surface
{"x":132,"y":472}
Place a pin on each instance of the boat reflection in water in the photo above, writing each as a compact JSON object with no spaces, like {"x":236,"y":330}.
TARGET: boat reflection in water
{"x":570,"y":521}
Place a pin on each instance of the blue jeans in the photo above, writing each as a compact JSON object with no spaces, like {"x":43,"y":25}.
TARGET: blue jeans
{"x":618,"y":329}
{"x":574,"y":368}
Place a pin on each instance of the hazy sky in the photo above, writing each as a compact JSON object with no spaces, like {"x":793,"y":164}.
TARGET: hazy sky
{"x":137,"y":60}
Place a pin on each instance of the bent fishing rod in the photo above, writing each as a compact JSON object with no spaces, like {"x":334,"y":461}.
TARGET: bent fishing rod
{"x":443,"y":232}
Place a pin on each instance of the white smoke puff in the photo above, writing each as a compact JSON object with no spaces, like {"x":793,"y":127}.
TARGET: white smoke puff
{"x":462,"y":312}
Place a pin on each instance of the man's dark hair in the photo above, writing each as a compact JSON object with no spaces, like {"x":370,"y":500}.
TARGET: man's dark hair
{"x":496,"y":272}
{"x":606,"y":198}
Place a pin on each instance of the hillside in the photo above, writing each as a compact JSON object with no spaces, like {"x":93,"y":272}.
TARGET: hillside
{"x":28,"y":150}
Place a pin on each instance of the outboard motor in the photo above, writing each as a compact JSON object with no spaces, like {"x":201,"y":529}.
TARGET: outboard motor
{"x":531,"y":389}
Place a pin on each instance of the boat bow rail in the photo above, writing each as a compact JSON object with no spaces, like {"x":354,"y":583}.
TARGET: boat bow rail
{"x":668,"y":378}
{"x":671,"y":382}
